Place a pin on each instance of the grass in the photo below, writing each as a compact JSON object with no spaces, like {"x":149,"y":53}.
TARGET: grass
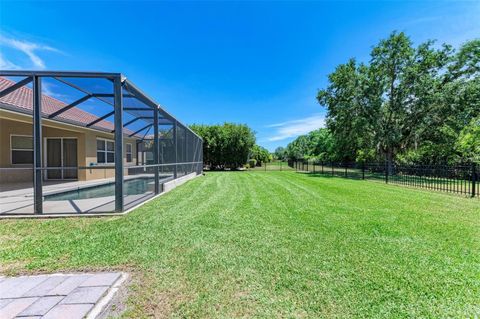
{"x":277,"y":244}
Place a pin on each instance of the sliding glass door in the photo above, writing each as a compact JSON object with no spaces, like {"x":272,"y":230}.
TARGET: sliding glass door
{"x":70,"y":158}
{"x":61,"y":157}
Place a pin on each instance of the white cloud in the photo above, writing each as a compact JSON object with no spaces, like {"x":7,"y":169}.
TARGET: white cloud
{"x":454,"y":23}
{"x":50,"y":89}
{"x":422,"y":20}
{"x":5,"y":64}
{"x":30,"y":49}
{"x":295,"y":128}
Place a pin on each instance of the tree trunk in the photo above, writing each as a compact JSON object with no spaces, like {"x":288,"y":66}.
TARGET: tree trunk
{"x":389,"y":159}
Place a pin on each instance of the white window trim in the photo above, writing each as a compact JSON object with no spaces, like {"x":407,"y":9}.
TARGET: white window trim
{"x":105,"y":151}
{"x":127,"y":152}
{"x":16,"y":149}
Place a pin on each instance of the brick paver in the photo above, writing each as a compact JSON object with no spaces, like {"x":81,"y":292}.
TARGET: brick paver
{"x":41,"y":306}
{"x":105,"y":279}
{"x":68,"y":285}
{"x":16,"y":287}
{"x":85,"y":295}
{"x":16,"y":306}
{"x":69,"y":311}
{"x":55,"y":296}
{"x":46,"y":286}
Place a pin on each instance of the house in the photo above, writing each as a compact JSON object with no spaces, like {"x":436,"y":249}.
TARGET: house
{"x":68,"y":140}
{"x":73,"y":163}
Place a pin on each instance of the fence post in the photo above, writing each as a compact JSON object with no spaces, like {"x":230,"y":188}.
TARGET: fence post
{"x":265,"y":166}
{"x":474,"y":179}
{"x":386,"y":171}
{"x":280,"y":166}
{"x":333,"y":173}
{"x":346,"y":170}
{"x":363,"y":170}
{"x":313,"y":164}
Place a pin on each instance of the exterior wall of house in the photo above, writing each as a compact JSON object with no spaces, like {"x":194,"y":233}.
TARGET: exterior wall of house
{"x":19,"y":124}
{"x":91,"y":155}
{"x":22,"y":173}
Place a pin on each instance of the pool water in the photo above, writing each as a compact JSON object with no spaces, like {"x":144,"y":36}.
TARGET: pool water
{"x":130,"y":187}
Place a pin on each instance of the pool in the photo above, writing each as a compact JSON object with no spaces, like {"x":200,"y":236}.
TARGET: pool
{"x":130,"y":187}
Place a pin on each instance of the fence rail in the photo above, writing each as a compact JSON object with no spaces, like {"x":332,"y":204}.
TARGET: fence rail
{"x":272,"y":166}
{"x":460,"y":179}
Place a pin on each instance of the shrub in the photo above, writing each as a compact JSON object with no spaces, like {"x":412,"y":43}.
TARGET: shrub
{"x":225,"y":146}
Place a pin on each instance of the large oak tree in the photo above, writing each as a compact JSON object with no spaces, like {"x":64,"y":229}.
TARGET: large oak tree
{"x":405,"y":99}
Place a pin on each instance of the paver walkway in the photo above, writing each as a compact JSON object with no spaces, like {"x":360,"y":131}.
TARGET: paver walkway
{"x":58,"y":295}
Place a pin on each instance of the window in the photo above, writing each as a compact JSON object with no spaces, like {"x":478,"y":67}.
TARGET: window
{"x":105,"y":151}
{"x":128,"y":152}
{"x":22,"y":149}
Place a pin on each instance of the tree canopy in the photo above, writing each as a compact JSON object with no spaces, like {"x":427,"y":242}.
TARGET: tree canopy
{"x":317,"y":145}
{"x":230,"y":145}
{"x":408,"y":103}
{"x":260,"y":155}
{"x":225,"y":146}
{"x":468,"y":143}
{"x":279,"y":153}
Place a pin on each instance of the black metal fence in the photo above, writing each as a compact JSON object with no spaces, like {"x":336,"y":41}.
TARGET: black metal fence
{"x":460,"y":179}
{"x":272,"y":166}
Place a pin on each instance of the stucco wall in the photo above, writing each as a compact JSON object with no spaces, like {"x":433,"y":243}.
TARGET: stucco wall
{"x":18,"y":124}
{"x":91,"y":155}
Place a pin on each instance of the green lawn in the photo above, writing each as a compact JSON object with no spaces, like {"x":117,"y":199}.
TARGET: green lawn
{"x":275,"y":244}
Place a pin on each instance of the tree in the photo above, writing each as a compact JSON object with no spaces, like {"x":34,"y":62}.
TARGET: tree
{"x":280,"y":153}
{"x":260,"y":155}
{"x":298,"y":148}
{"x":468,"y":143}
{"x":347,"y":112}
{"x":407,"y":99}
{"x":317,"y":145}
{"x":460,"y":104}
{"x":322,"y":146}
{"x":225,"y":146}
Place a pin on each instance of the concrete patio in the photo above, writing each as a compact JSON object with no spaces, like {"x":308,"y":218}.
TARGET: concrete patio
{"x":72,"y":296}
{"x":17,"y":199}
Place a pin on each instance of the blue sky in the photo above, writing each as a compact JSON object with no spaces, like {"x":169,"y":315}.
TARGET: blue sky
{"x":259,"y":63}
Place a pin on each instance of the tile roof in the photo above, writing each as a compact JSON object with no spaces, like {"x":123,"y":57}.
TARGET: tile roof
{"x":22,"y":100}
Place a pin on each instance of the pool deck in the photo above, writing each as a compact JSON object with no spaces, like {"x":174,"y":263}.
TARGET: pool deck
{"x":18,"y":199}
{"x":58,"y":295}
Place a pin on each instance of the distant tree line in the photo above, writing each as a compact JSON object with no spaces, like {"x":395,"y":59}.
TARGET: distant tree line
{"x":317,"y":145}
{"x":410,"y":104}
{"x":259,"y":155}
{"x":230,"y":145}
